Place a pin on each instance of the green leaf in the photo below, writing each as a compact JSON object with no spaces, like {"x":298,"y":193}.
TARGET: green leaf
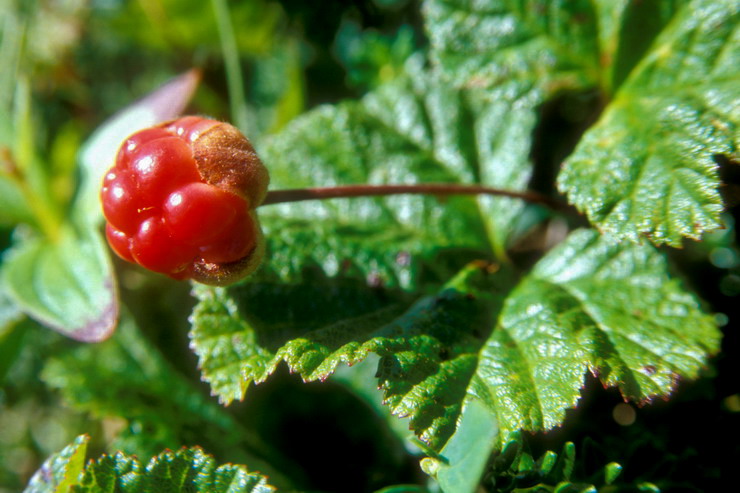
{"x":125,"y":377}
{"x":14,"y":208}
{"x":414,"y":130}
{"x":11,"y":335}
{"x":589,"y":305}
{"x":372,"y":58}
{"x":10,"y":314}
{"x":612,"y":471}
{"x":188,"y":469}
{"x":238,"y":332}
{"x":61,"y":471}
{"x":465,"y":456}
{"x":556,"y":45}
{"x":481,"y":44}
{"x":592,"y":304}
{"x":426,"y":348}
{"x":66,"y":284}
{"x":25,"y":195}
{"x":647,"y":168}
{"x":626,"y":31}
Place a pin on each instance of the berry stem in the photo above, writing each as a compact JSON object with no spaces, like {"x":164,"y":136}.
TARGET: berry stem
{"x":438,"y":189}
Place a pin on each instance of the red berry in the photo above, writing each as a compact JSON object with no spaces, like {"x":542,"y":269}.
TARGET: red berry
{"x":131,"y":144}
{"x":178,"y":201}
{"x":231,"y":247}
{"x":152,"y":247}
{"x":199,"y":213}
{"x":120,"y":206}
{"x":120,"y":242}
{"x":160,"y":167}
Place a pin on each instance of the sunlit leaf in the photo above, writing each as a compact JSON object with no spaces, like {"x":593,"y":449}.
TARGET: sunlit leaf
{"x":188,"y":469}
{"x":61,"y":471}
{"x":589,"y":305}
{"x":648,"y":167}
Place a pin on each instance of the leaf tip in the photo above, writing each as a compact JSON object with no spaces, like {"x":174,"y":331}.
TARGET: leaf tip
{"x":101,"y":327}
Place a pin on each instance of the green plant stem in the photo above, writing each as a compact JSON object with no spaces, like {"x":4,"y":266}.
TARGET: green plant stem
{"x":437,"y":189}
{"x":234,"y":78}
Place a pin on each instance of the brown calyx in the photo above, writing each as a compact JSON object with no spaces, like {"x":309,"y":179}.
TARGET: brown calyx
{"x":226,"y":159}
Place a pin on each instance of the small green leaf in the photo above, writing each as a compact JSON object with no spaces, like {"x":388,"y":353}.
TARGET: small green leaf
{"x":526,"y":463}
{"x":62,"y":471}
{"x":13,"y":206}
{"x":567,"y":461}
{"x":464,"y":457}
{"x":188,"y":469}
{"x":66,"y":283}
{"x":647,"y":168}
{"x":612,"y":471}
{"x":568,"y":487}
{"x":547,"y":462}
{"x":513,"y":469}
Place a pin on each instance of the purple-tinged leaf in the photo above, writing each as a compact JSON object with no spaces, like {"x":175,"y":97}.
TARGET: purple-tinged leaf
{"x":66,"y":283}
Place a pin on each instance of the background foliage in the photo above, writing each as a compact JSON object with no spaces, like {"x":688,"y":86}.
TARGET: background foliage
{"x":400,"y":344}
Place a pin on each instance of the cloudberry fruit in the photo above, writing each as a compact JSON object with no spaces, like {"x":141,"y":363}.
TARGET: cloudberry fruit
{"x":181,"y":200}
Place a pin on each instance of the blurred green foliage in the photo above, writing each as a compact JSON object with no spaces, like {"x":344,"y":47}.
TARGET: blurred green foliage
{"x":68,"y":65}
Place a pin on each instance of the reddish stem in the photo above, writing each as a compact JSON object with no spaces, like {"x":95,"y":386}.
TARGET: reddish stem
{"x":438,"y":189}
